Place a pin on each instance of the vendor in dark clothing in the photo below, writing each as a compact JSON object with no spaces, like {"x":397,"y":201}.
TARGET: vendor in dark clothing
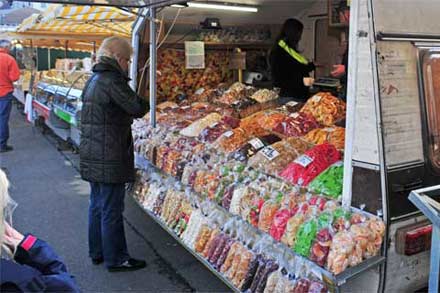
{"x":288,"y":66}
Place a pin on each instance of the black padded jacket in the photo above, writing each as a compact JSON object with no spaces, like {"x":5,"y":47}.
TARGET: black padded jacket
{"x":109,"y":106}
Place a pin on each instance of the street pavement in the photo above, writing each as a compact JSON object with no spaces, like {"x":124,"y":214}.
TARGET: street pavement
{"x":52,"y":204}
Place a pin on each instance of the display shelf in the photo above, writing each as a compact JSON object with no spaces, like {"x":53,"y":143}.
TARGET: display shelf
{"x":223,"y":46}
{"x":64,"y":115}
{"x":187,"y":248}
{"x":332,"y":281}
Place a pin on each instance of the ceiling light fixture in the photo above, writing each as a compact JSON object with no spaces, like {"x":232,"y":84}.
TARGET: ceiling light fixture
{"x":223,"y":6}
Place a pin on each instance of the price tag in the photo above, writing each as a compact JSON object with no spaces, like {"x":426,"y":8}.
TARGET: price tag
{"x":304,"y":160}
{"x":213,"y":125}
{"x":329,"y":129}
{"x":186,"y":107}
{"x":292,"y":104}
{"x":256,"y":143}
{"x":270,"y":153}
{"x":294,"y":115}
{"x":316,"y":98}
{"x":228,"y":133}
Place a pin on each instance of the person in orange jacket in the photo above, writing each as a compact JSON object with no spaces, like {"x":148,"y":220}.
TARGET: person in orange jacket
{"x":9,"y":72}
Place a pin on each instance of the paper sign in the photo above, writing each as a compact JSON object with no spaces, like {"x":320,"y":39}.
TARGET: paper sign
{"x":194,"y":55}
{"x":292,"y":104}
{"x":294,"y":115}
{"x":270,"y":153}
{"x":256,"y":143}
{"x":316,"y":98}
{"x":228,"y":133}
{"x":304,"y":160}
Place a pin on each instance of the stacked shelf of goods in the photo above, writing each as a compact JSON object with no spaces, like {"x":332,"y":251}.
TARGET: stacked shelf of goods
{"x":266,"y":183}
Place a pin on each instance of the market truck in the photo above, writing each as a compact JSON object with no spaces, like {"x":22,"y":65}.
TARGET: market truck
{"x":392,"y":143}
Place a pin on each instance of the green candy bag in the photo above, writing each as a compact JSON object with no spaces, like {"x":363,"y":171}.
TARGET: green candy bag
{"x":305,"y":236}
{"x":329,"y":182}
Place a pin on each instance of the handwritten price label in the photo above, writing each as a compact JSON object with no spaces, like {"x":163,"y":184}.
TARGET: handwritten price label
{"x":270,"y":153}
{"x":256,"y":143}
{"x":304,"y":161}
{"x":228,"y":134}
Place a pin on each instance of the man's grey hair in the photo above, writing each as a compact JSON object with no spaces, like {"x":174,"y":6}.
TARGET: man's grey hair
{"x":5,"y":44}
{"x":114,"y":46}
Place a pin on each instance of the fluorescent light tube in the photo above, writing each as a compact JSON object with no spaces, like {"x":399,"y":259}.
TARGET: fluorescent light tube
{"x":219,"y":6}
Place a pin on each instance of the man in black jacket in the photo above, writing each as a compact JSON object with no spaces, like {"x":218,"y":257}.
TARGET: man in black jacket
{"x":106,"y":152}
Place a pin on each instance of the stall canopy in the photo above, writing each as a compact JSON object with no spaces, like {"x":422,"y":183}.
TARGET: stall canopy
{"x":70,"y":22}
{"x":117,"y":3}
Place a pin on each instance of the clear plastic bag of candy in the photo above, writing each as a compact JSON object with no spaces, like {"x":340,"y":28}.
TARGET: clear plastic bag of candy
{"x":329,"y":182}
{"x":305,"y":236}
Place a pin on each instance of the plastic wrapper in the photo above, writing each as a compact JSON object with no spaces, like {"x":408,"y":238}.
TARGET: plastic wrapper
{"x":286,"y":151}
{"x":227,"y":196}
{"x":235,"y":249}
{"x":326,"y":108}
{"x":377,"y":227}
{"x":340,"y":251}
{"x":362,"y":235}
{"x":254,"y":214}
{"x":267,"y":214}
{"x":208,"y":245}
{"x":341,"y":219}
{"x":253,"y":146}
{"x":331,"y":135}
{"x":321,"y":247}
{"x":271,"y":120}
{"x":270,"y":267}
{"x":264,"y":95}
{"x":272,"y":281}
{"x":202,"y":238}
{"x":235,"y":263}
{"x":251,"y":120}
{"x":307,"y":167}
{"x":329,"y":182}
{"x":296,"y":125}
{"x":214,"y":244}
{"x":259,"y":274}
{"x":317,"y":287}
{"x":237,"y":196}
{"x":243,"y":268}
{"x":218,"y":250}
{"x":247,"y":280}
{"x":305,"y":236}
{"x":293,"y":224}
{"x":279,"y":223}
{"x":224,"y":254}
{"x":232,"y":140}
{"x":302,"y":286}
{"x":213,"y":132}
{"x":197,"y":127}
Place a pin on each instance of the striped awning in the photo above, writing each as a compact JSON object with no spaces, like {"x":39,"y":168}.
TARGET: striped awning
{"x":77,"y":21}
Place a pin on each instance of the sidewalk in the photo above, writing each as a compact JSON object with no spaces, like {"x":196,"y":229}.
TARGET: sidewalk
{"x":52,"y":204}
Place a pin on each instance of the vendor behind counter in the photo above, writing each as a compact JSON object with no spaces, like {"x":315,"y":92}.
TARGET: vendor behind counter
{"x":289,"y":67}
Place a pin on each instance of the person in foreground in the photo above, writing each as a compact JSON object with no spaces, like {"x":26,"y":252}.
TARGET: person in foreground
{"x":33,"y":265}
{"x":9,"y":73}
{"x":106,"y":152}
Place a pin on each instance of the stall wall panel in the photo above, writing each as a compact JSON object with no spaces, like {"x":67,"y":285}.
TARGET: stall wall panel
{"x":399,"y":93}
{"x":417,"y":17}
{"x":366,"y":145}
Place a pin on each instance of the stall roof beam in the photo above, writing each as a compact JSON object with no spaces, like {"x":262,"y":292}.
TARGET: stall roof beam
{"x":115,"y":3}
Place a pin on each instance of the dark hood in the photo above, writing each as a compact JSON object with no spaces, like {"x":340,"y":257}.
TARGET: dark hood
{"x":109,"y":64}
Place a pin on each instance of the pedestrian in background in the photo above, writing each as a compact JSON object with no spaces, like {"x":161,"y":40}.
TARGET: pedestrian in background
{"x":106,"y":152}
{"x":32,"y":266}
{"x":9,"y":73}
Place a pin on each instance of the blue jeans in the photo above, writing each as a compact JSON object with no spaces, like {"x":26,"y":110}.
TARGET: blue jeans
{"x":106,"y":226}
{"x":5,"y":111}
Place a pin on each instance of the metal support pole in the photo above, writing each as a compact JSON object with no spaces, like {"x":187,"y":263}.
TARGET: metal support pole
{"x":435,"y":261}
{"x":153,"y":66}
{"x":135,"y":43}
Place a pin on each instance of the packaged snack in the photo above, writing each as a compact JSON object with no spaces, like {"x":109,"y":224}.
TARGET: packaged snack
{"x":279,"y":156}
{"x":213,"y":132}
{"x":235,"y":263}
{"x":208,"y":245}
{"x":321,"y":247}
{"x":197,"y":127}
{"x":270,"y":267}
{"x":232,"y":140}
{"x":255,"y":211}
{"x":307,"y":167}
{"x":219,"y":248}
{"x":227,"y":196}
{"x":253,"y":146}
{"x":302,"y":286}
{"x":293,"y":224}
{"x":340,"y":250}
{"x":272,"y":281}
{"x":305,"y":236}
{"x":332,"y":135}
{"x":264,"y":95}
{"x":377,"y":227}
{"x":247,"y":281}
{"x":341,"y":219}
{"x":329,"y":182}
{"x":235,"y":248}
{"x":224,"y":254}
{"x":267,"y":214}
{"x":317,"y":287}
{"x":258,"y":274}
{"x":279,"y":223}
{"x":243,"y":268}
{"x":326,"y":108}
{"x":296,"y":125}
{"x":217,"y":241}
{"x":202,"y":238}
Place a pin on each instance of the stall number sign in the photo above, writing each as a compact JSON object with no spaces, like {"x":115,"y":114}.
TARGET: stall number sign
{"x":256,"y":143}
{"x":194,"y":55}
{"x":270,"y":153}
{"x":304,"y":161}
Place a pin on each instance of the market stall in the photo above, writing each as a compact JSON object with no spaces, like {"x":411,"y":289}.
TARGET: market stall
{"x":250,"y":185}
{"x":56,"y":88}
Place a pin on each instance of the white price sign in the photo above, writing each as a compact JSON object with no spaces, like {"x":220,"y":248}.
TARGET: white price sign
{"x":256,"y":143}
{"x":270,"y":153}
{"x":228,"y":133}
{"x":304,"y":160}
